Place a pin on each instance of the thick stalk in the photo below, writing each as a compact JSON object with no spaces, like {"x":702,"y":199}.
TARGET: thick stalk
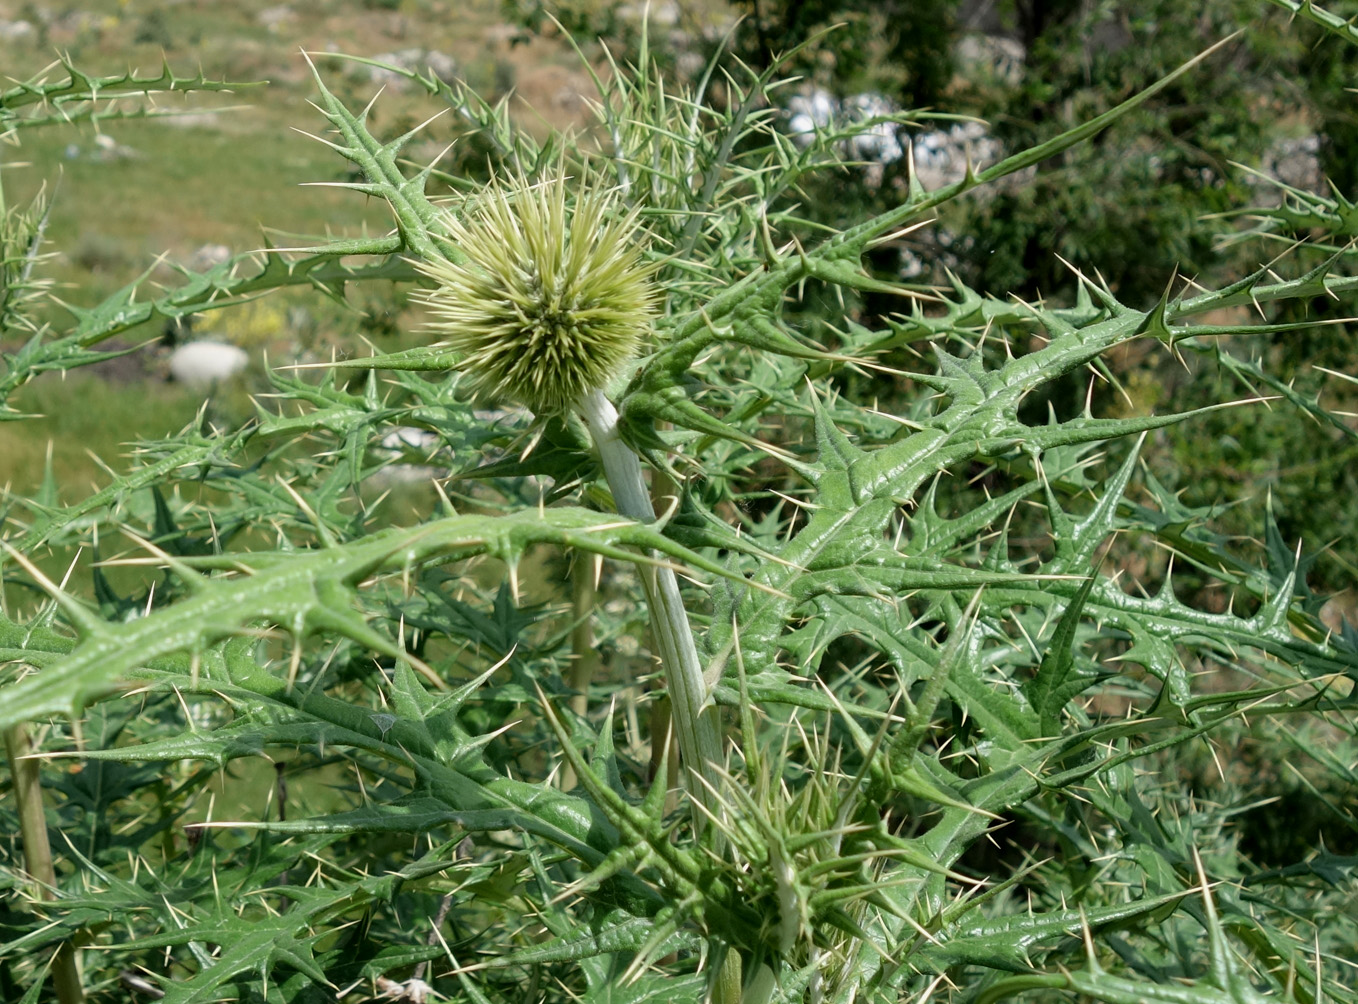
{"x":38,"y":852}
{"x":695,"y":725}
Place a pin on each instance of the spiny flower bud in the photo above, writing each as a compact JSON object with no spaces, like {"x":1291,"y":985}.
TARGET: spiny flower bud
{"x":553,"y":298}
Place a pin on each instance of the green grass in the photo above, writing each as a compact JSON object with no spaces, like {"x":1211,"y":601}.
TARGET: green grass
{"x":224,"y":180}
{"x":83,"y":417}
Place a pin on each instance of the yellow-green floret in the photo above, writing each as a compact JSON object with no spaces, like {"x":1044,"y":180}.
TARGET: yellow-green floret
{"x":554,"y":296}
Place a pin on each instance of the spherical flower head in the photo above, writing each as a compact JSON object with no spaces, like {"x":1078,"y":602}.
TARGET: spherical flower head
{"x":553,"y":298}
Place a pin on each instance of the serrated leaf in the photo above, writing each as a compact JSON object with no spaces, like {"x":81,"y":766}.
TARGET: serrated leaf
{"x":1058,"y":678}
{"x":297,"y":593}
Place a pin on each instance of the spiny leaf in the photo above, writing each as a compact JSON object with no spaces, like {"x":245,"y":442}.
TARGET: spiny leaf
{"x":288,"y":590}
{"x":1057,"y":679}
{"x":230,"y":283}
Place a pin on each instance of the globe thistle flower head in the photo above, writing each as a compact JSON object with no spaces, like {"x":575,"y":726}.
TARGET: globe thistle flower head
{"x":553,"y":298}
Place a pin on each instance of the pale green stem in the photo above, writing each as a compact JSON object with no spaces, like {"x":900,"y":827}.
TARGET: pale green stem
{"x":693,"y":721}
{"x":695,"y":724}
{"x":38,"y":852}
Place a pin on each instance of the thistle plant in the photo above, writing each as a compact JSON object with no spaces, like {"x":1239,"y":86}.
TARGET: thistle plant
{"x":1002,"y":714}
{"x":545,"y":307}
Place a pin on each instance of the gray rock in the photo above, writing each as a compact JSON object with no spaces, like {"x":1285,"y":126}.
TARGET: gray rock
{"x":421,"y":61}
{"x":996,"y":55}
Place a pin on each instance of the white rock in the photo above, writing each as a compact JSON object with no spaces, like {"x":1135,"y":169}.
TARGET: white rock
{"x":878,"y":142}
{"x":402,"y":443}
{"x":809,"y":112}
{"x":16,"y":31}
{"x":201,"y":364}
{"x":193,"y":120}
{"x":941,"y":156}
{"x":209,"y":256}
{"x":661,"y":13}
{"x":107,"y":148}
{"x":405,"y":438}
{"x":1294,"y":161}
{"x":274,"y":18}
{"x":819,"y":109}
